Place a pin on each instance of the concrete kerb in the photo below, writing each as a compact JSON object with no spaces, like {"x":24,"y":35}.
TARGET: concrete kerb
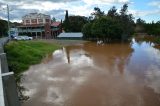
{"x":8,"y":90}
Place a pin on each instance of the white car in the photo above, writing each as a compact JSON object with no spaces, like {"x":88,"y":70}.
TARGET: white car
{"x":18,"y":38}
{"x":30,"y":38}
{"x":27,"y":38}
{"x":23,"y":38}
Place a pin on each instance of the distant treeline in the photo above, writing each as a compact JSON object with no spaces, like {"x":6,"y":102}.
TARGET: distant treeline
{"x":110,"y":26}
{"x":113,"y":25}
{"x":74,"y":23}
{"x":107,"y":27}
{"x":152,"y":28}
{"x":4,"y":27}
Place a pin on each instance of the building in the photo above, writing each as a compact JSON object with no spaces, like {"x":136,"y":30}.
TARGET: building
{"x":39,"y":25}
{"x":35,"y":18}
{"x":70,"y":36}
{"x":13,"y":32}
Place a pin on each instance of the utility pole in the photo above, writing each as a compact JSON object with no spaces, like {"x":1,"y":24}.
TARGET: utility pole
{"x":8,"y":22}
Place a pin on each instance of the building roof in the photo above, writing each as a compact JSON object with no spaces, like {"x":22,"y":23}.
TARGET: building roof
{"x":70,"y":35}
{"x":33,"y":15}
{"x":55,"y":24}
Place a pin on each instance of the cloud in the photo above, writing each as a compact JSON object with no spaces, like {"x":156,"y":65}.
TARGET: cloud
{"x":57,"y":8}
{"x":30,"y":1}
{"x":154,"y":3}
{"x":153,"y":78}
{"x":58,"y":14}
{"x":20,"y":9}
{"x":140,"y":13}
{"x":51,"y":7}
{"x":107,"y":1}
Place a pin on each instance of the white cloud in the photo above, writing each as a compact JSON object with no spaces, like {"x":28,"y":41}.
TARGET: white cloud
{"x":46,"y":5}
{"x":140,"y":13}
{"x":154,"y":3}
{"x":106,"y":1}
{"x":153,"y":78}
{"x":57,"y":8}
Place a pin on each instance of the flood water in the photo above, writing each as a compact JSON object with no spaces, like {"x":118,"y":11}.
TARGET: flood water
{"x":119,"y":74}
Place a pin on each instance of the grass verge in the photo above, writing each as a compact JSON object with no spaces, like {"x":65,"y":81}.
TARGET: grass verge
{"x":22,"y":54}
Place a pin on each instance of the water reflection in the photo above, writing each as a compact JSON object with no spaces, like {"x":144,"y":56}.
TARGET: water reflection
{"x":78,"y":57}
{"x":122,"y":74}
{"x":153,"y":78}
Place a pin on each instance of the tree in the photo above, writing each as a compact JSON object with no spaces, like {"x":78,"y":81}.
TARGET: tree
{"x":87,"y":31}
{"x":127,"y":22}
{"x":104,"y":28}
{"x":3,"y":28}
{"x":53,"y":19}
{"x":113,"y":26}
{"x":76,"y":23}
{"x":153,"y":28}
{"x":97,"y":13}
{"x":66,"y":23}
{"x":139,"y":21}
{"x":112,"y":12}
{"x":140,"y":26}
{"x":124,"y":10}
{"x":107,"y":28}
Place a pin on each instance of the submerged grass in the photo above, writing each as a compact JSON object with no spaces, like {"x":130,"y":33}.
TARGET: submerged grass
{"x":22,"y":54}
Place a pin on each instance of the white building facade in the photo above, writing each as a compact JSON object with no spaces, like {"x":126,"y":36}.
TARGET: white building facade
{"x":36,"y":18}
{"x":39,"y":25}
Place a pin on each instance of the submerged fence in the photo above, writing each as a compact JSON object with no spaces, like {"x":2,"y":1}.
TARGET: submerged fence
{"x":8,"y":90}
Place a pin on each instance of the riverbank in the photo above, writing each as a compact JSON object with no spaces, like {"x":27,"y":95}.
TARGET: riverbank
{"x":22,"y":54}
{"x":64,"y":42}
{"x":147,"y":38}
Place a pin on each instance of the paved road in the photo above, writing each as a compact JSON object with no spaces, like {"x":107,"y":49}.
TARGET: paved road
{"x":4,"y":40}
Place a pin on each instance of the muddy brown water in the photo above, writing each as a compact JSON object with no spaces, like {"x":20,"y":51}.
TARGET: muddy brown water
{"x":119,"y":74}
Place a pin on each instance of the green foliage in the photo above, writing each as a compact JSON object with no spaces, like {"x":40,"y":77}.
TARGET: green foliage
{"x":113,"y":26}
{"x":139,"y":21}
{"x":22,"y":54}
{"x":97,"y":13}
{"x":127,"y":22}
{"x":53,"y":19}
{"x":112,"y":12}
{"x":140,"y":24}
{"x":106,"y":28}
{"x":87,"y":30}
{"x":66,"y":23}
{"x":153,"y":28}
{"x":3,"y":28}
{"x":157,"y":40}
{"x":74,"y":23}
{"x":124,"y":10}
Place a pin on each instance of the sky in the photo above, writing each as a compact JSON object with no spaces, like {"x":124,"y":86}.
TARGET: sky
{"x":149,"y":10}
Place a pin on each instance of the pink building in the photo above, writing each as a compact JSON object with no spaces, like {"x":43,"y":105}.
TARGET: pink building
{"x":39,"y":25}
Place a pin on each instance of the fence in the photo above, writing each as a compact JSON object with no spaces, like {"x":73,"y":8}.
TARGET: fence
{"x":8,"y":90}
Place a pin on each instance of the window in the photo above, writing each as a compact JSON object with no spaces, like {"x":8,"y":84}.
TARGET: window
{"x":47,"y":20}
{"x":27,"y":21}
{"x":34,"y":21}
{"x":40,"y":20}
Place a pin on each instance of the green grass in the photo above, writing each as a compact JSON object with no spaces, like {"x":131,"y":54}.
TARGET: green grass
{"x":22,"y":54}
{"x":157,"y":40}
